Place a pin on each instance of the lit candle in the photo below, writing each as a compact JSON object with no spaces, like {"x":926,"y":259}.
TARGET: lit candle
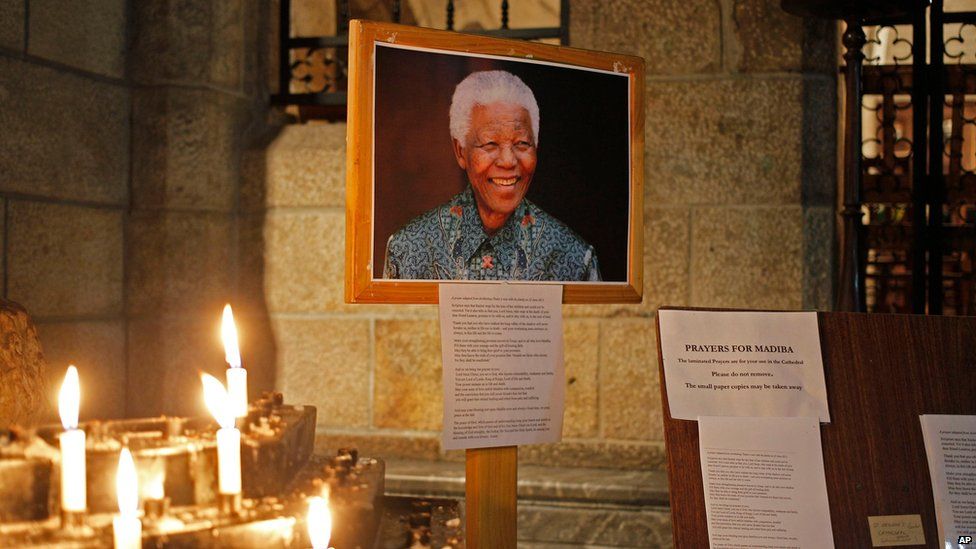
{"x":319,"y":523}
{"x":236,"y":375}
{"x":73,"y":490}
{"x":126,"y":525}
{"x":228,"y":437}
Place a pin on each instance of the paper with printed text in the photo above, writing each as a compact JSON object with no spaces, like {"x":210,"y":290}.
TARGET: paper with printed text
{"x":730,"y":363}
{"x":502,"y":355}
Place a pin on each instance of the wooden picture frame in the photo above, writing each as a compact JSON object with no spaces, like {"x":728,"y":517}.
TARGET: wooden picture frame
{"x":401,"y":159}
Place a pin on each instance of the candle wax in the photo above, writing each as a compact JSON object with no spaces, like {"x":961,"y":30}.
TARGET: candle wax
{"x":127,"y":531}
{"x":229,"y":460}
{"x":73,"y":489}
{"x":237,"y":390}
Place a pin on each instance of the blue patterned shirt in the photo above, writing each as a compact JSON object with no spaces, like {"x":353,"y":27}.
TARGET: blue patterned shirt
{"x":450,"y":243}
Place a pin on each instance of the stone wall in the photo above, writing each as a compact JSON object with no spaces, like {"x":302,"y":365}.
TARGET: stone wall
{"x":123,"y":126}
{"x":64,"y":175}
{"x":144,"y":182}
{"x":738,"y":213}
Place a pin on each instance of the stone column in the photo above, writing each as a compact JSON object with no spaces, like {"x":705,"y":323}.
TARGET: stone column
{"x":196,"y":94}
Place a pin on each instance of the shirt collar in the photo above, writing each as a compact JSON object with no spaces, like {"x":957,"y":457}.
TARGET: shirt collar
{"x":473,"y":233}
{"x":506,"y":239}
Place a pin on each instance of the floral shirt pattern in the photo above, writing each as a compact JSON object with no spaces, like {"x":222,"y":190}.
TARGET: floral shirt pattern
{"x":450,"y":243}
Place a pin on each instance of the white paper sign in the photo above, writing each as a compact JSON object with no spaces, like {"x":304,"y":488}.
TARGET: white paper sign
{"x":729,"y":363}
{"x":764,"y":482}
{"x":950,"y":444}
{"x":502,"y":351}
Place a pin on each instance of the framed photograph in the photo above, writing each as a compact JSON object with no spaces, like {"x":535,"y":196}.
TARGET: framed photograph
{"x":485,"y":160}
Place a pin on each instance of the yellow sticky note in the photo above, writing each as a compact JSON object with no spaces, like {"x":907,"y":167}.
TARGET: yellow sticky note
{"x":892,"y":530}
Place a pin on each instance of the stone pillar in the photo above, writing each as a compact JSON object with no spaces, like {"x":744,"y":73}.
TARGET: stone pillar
{"x":198,"y":90}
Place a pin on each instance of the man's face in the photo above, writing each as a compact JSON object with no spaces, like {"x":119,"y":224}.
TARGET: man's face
{"x":499,"y":156}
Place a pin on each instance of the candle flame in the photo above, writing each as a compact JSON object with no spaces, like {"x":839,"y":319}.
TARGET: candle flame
{"x":228,"y":332}
{"x":127,"y":484}
{"x":69,"y":399}
{"x":319,"y":523}
{"x":215,"y":395}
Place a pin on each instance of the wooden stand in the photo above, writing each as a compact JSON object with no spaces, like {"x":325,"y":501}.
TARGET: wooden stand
{"x":882,"y":372}
{"x":491,"y":479}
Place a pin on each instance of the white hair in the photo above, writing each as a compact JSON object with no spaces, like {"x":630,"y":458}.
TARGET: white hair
{"x":484,"y":88}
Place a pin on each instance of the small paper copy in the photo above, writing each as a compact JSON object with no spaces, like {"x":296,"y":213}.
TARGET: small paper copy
{"x":729,"y":363}
{"x":950,"y":444}
{"x":502,"y":351}
{"x":764,"y":482}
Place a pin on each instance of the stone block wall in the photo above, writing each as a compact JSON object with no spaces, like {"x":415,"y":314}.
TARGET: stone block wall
{"x":144,"y":182}
{"x":120,"y":151}
{"x":64,"y":174}
{"x":738,"y":192}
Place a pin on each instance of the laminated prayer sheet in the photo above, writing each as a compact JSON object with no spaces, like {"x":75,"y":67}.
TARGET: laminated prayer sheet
{"x":764,"y":482}
{"x":950,"y":444}
{"x":731,"y":363}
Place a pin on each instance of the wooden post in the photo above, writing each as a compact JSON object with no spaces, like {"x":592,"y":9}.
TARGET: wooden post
{"x":491,"y":479}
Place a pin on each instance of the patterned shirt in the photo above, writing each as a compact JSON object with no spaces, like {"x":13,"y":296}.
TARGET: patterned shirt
{"x":450,"y":243}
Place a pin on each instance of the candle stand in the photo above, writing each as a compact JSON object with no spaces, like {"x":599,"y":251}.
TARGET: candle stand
{"x":177,"y":467}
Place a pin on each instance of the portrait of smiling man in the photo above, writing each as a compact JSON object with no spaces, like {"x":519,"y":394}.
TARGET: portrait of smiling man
{"x":490,"y":230}
{"x":486,"y":168}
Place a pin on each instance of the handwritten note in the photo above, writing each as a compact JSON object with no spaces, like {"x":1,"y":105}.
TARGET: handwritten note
{"x":730,"y":363}
{"x":894,"y":530}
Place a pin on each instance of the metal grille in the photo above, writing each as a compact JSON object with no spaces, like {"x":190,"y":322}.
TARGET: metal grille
{"x":958,"y":132}
{"x":915,"y":209}
{"x":886,"y":182}
{"x":312,"y":71}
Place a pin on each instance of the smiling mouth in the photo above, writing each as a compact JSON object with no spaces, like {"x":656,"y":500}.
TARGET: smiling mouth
{"x":504,"y":181}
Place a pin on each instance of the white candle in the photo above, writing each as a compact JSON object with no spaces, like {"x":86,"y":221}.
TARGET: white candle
{"x":237,"y":390}
{"x":228,"y":437}
{"x":74,"y":496}
{"x":236,"y":375}
{"x":229,"y":460}
{"x":127,"y":532}
{"x":127,"y":528}
{"x":319,"y":523}
{"x":73,"y":490}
